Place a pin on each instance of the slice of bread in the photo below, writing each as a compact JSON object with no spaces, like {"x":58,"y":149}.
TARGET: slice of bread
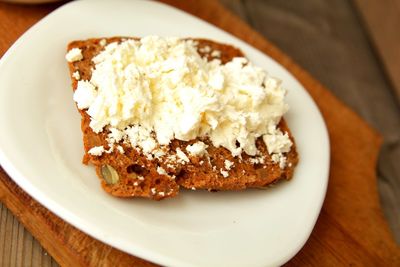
{"x":132,"y":174}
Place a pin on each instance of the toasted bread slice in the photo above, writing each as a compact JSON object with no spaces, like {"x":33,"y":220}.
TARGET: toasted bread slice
{"x":132,"y":174}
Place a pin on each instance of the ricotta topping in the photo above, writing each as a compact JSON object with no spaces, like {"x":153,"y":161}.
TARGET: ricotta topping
{"x":96,"y":151}
{"x":158,"y":89}
{"x":197,"y":149}
{"x":75,"y":54}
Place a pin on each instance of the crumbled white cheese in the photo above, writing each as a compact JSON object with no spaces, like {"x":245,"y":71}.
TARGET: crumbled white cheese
{"x":161,"y":171}
{"x":224,"y":173}
{"x":158,"y":153}
{"x":109,"y":150}
{"x":76,"y":75}
{"x":163,"y":86}
{"x":277,"y":142}
{"x":279,"y":158}
{"x":85,"y":94}
{"x":141,"y":137}
{"x":216,"y":53}
{"x":228,"y":164}
{"x":103,"y":42}
{"x":197,"y":149}
{"x":115,"y":135}
{"x":181,"y":155}
{"x":282,"y":162}
{"x":205,"y":49}
{"x":75,"y":54}
{"x":153,"y":191}
{"x":96,"y":150}
{"x":140,"y":178}
{"x":169,"y":165}
{"x":120,"y":149}
{"x":257,"y":160}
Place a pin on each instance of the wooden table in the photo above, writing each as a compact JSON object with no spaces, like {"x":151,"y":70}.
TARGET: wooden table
{"x":351,"y":229}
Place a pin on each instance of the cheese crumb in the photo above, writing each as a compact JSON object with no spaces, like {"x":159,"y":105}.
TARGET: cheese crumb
{"x":257,"y":160}
{"x":228,"y":164}
{"x":103,"y":42}
{"x":277,"y":142}
{"x":279,"y":158}
{"x":85,"y":94}
{"x":76,"y":75}
{"x":216,"y":53}
{"x":205,"y":49}
{"x":96,"y":151}
{"x":120,"y":149}
{"x":197,"y":149}
{"x":161,"y":171}
{"x":158,"y":153}
{"x":109,"y":150}
{"x":181,"y":155}
{"x":75,"y":54}
{"x":224,"y":173}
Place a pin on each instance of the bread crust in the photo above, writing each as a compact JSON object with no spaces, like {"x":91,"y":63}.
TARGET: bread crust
{"x":199,"y":173}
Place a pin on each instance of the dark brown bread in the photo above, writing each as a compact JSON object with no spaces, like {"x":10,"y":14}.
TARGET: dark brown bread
{"x":200,"y":173}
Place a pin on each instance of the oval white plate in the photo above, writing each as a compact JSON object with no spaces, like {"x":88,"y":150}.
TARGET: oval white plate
{"x":41,"y":149}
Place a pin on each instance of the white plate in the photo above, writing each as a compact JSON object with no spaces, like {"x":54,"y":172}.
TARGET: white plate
{"x":41,"y":149}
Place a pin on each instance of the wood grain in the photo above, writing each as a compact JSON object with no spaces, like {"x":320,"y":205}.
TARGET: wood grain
{"x":350,"y":230}
{"x":17,"y":246}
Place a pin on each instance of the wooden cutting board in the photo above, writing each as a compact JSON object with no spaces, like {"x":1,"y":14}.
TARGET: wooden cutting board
{"x":350,"y":230}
